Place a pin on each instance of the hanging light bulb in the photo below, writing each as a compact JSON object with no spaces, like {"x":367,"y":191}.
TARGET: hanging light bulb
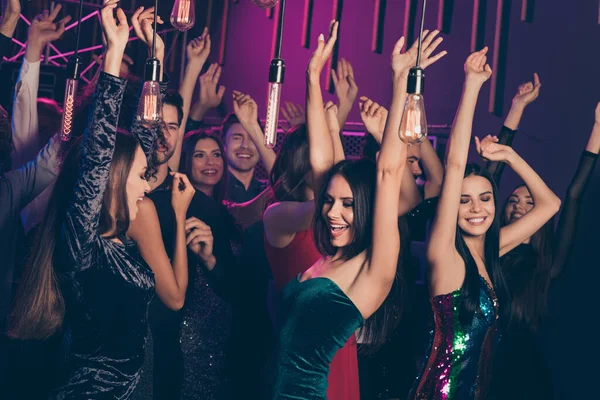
{"x":413,"y":126}
{"x":183,"y":15}
{"x":276,"y":74}
{"x":265,"y":3}
{"x":149,"y":110}
{"x":73,"y":72}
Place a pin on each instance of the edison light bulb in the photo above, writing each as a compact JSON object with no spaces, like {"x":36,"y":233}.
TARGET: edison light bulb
{"x":413,"y":126}
{"x":265,"y":3}
{"x":66,"y":125}
{"x":73,"y":71}
{"x":183,"y":15}
{"x":149,"y":110}
{"x":272,"y":114}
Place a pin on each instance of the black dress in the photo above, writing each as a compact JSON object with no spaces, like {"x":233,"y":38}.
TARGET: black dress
{"x":106,"y":286}
{"x":521,"y":370}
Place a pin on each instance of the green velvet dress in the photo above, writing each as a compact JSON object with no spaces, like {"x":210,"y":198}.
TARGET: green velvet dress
{"x":319,"y":319}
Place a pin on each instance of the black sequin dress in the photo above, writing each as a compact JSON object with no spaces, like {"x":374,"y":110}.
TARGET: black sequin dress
{"x":105,"y":284}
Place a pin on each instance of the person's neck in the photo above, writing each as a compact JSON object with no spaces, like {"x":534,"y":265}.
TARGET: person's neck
{"x":476,"y":245}
{"x":161,"y":174}
{"x":243,"y":176}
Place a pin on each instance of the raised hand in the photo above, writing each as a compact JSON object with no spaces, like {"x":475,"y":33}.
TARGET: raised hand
{"x":199,"y":49}
{"x":403,"y":62}
{"x":323,"y":51}
{"x":210,"y":97}
{"x":490,"y":150}
{"x":199,"y":239}
{"x":597,"y":114}
{"x":373,"y":117}
{"x":245,"y":108}
{"x":293,"y":113}
{"x":43,"y":30}
{"x":182,"y":193}
{"x":117,"y":34}
{"x":142,"y":21}
{"x":528,"y":92}
{"x":331,"y":114}
{"x":476,"y":68}
{"x":343,"y":80}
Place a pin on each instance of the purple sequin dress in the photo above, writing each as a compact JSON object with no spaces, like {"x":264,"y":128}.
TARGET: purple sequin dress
{"x":459,"y":361}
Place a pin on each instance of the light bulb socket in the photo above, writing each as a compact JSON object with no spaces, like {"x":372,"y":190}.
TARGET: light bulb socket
{"x":416,"y":81}
{"x":74,"y":67}
{"x":277,"y":71}
{"x":152,"y":70}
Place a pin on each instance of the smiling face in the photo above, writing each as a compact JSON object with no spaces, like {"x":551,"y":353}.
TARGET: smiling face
{"x":170,"y":130}
{"x":477,"y":209}
{"x":137,"y":185}
{"x":207,"y":165}
{"x":338,"y":211}
{"x":241,"y":150}
{"x":519,"y":203}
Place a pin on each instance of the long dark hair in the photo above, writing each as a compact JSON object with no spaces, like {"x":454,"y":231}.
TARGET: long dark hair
{"x":471,"y":285}
{"x":39,"y":306}
{"x":288,"y":175}
{"x":187,"y":157}
{"x":528,"y":274}
{"x":361,"y":177}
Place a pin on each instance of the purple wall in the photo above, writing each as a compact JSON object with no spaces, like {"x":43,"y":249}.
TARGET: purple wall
{"x":560,"y":44}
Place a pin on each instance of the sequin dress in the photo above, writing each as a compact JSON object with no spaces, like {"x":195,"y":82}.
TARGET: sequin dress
{"x":459,"y":361}
{"x":319,"y":319}
{"x":106,"y":286}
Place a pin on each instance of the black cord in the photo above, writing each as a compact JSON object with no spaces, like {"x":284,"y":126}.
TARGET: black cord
{"x":421,"y":33}
{"x":154,"y":35}
{"x":280,"y":33}
{"x":78,"y":28}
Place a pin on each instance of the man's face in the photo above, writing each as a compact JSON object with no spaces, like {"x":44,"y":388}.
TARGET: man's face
{"x":240,"y":149}
{"x":413,"y":157}
{"x":170,"y":130}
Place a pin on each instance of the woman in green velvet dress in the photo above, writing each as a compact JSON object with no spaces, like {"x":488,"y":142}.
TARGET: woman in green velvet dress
{"x":356,"y":231}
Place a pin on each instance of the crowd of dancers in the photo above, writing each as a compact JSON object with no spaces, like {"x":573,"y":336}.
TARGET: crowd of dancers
{"x":148,"y":261}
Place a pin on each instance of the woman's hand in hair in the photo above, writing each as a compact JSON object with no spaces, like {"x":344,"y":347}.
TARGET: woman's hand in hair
{"x":200,"y":241}
{"x":490,"y":150}
{"x":403,"y":62}
{"x":477,"y":70}
{"x":373,"y":116}
{"x":323,"y":51}
{"x":182,"y":194}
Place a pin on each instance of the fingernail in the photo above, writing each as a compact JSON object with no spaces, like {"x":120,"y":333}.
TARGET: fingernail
{"x":321,"y":37}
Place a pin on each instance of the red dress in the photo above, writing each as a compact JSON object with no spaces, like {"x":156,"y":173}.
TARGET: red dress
{"x":286,"y":263}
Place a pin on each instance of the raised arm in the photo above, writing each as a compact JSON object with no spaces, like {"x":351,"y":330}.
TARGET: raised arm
{"x":142,"y":22}
{"x":42,"y":31}
{"x":546,"y":202}
{"x":345,"y":89}
{"x":526,"y":94}
{"x":248,"y":213}
{"x":569,"y":216}
{"x":434,"y":171}
{"x":246,"y":111}
{"x":210,"y":96}
{"x":333,"y":125}
{"x":320,"y":145}
{"x":443,"y":230}
{"x":197,"y":54}
{"x":11,"y":10}
{"x":83,"y":212}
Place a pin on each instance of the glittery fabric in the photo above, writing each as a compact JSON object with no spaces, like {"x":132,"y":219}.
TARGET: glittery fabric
{"x":105,"y":284}
{"x":459,"y":361}
{"x":205,"y":334}
{"x":320,"y":318}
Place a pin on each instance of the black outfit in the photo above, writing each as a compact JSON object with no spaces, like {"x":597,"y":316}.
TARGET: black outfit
{"x":520,"y":368}
{"x":106,"y":286}
{"x":206,"y":293}
{"x":5,"y":43}
{"x":252,"y":330}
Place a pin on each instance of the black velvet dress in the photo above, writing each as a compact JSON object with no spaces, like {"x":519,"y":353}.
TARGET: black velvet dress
{"x":105,"y":284}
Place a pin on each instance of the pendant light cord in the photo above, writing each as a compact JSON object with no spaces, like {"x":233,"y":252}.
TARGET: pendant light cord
{"x":421,"y":33}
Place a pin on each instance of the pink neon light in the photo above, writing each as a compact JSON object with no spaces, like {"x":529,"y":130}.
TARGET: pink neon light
{"x":25,"y":19}
{"x":82,"y":19}
{"x":59,"y":54}
{"x":88,"y":67}
{"x":19,"y":43}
